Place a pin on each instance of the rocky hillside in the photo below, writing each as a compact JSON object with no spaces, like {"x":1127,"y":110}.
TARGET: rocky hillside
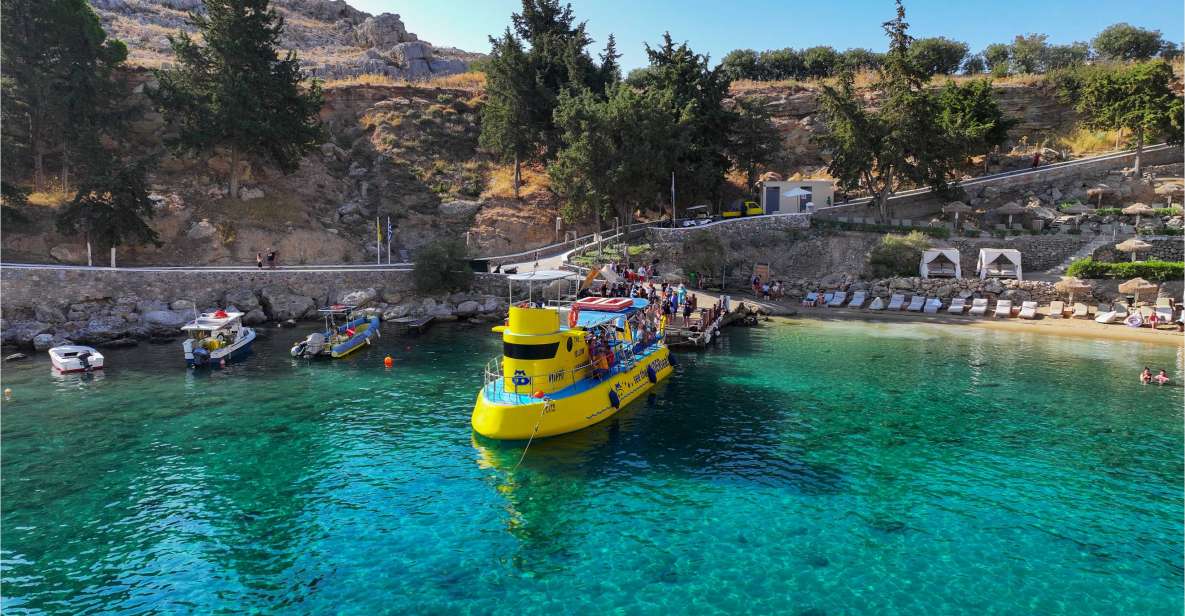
{"x":333,"y":39}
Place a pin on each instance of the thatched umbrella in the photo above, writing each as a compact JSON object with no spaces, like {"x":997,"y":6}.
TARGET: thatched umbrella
{"x":1011,"y":209}
{"x":1136,"y":287}
{"x":1071,"y":286}
{"x":1133,"y":246}
{"x":956,"y":208}
{"x":1138,"y":210}
{"x":1076,"y":210}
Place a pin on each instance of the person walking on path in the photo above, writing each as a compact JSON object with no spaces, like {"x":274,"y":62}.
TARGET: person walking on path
{"x":259,"y":260}
{"x":271,"y":258}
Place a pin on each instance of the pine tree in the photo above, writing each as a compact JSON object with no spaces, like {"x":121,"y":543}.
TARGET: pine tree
{"x":972,"y":118}
{"x":507,"y":126}
{"x":754,"y":140}
{"x":232,"y":91}
{"x":112,"y":207}
{"x":1138,"y":98}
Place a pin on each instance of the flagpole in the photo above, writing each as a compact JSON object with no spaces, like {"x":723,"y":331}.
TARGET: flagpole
{"x":378,"y":242}
{"x":672,"y":199}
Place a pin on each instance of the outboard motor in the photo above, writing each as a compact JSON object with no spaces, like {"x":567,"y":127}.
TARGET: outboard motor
{"x":84,"y":359}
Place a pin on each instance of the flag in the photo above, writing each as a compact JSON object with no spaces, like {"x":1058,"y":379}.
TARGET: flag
{"x":378,"y":231}
{"x":390,"y":230}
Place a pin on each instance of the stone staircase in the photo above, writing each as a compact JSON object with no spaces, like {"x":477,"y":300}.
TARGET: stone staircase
{"x":1085,"y":251}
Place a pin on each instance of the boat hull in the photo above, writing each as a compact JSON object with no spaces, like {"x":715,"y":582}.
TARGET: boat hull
{"x":496,"y":419}
{"x":231,"y":354}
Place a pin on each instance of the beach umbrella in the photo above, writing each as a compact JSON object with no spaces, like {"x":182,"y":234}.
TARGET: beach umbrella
{"x":1010,"y":209}
{"x":1137,"y":287}
{"x":796,"y":193}
{"x":1133,"y":246}
{"x":1071,"y":286}
{"x":956,"y":208}
{"x":1138,"y":210}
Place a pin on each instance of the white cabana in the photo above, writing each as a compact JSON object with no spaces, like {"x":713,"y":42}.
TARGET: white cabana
{"x":942,"y":262}
{"x":999,"y":263}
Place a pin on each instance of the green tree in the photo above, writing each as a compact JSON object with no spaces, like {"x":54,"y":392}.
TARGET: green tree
{"x":1066,"y":56}
{"x":1170,"y":50}
{"x":232,"y":90}
{"x":112,"y":207}
{"x":897,"y":255}
{"x":997,"y":57}
{"x":972,"y":118}
{"x":776,"y":64}
{"x":974,"y":65}
{"x":703,"y":253}
{"x":819,"y":62}
{"x":901,"y":143}
{"x":754,"y":140}
{"x":740,"y":64}
{"x":1138,"y":98}
{"x":1123,"y":41}
{"x":615,"y":153}
{"x":859,"y":59}
{"x":58,"y":85}
{"x":442,"y":266}
{"x":695,"y":95}
{"x":938,"y":55}
{"x":508,"y":129}
{"x":1029,"y":53}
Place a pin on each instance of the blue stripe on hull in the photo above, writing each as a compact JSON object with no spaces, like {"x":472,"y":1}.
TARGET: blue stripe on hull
{"x":235,"y":355}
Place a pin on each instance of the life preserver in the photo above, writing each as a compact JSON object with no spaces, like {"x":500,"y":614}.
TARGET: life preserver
{"x":573,"y":317}
{"x":651,"y":374}
{"x":614,"y":399}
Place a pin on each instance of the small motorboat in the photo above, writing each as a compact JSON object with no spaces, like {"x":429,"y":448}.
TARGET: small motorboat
{"x":338,"y":340}
{"x":74,"y":358}
{"x":216,"y":338}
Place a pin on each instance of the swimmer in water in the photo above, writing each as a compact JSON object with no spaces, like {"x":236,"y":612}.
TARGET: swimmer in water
{"x":1162,"y":378}
{"x":1146,"y":376}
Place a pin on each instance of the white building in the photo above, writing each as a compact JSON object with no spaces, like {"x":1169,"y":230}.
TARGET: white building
{"x":790,"y":196}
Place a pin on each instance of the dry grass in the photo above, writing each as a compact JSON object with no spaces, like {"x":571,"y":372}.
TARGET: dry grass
{"x":53,"y":198}
{"x":462,"y":81}
{"x":866,"y":79}
{"x":500,"y":182}
{"x":1084,"y":141}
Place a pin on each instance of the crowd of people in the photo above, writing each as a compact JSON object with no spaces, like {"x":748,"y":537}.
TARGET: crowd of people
{"x":766,"y":289}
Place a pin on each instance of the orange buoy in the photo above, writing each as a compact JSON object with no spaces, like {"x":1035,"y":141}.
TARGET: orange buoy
{"x":539,"y":394}
{"x":388,"y":361}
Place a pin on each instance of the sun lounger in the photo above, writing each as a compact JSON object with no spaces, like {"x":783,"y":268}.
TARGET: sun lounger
{"x":827,"y":298}
{"x":878,"y":303}
{"x":932,"y":305}
{"x":916,"y":303}
{"x":1057,"y":310}
{"x":857,"y":299}
{"x":838,"y":299}
{"x":1004,"y":308}
{"x":1120,"y":309}
{"x":1081,"y":311}
{"x":979,"y":307}
{"x":1109,"y":316}
{"x":810,"y":299}
{"x":1164,"y":302}
{"x":1164,"y":314}
{"x":1028,"y":310}
{"x":896,"y":301}
{"x":957,"y":305}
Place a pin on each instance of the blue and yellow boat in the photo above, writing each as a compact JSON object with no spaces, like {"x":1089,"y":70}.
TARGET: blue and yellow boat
{"x":567,"y":368}
{"x":339,"y":340}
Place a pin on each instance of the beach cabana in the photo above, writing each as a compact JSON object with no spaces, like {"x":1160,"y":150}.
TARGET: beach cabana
{"x":999,"y":263}
{"x":940,"y":262}
{"x":1133,"y":246}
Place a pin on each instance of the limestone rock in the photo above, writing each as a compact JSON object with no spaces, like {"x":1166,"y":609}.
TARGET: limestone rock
{"x":459,"y":208}
{"x":244,"y":299}
{"x":201,"y":230}
{"x":42,"y":342}
{"x":164,"y":319}
{"x":382,"y":31}
{"x":254,"y":317}
{"x":68,"y":254}
{"x":993,"y":286}
{"x":49,"y":314}
{"x":333,"y":152}
{"x":468,"y":308}
{"x":181,"y":305}
{"x":397,"y":312}
{"x":247,"y":194}
{"x":360,"y":297}
{"x":101,"y":329}
{"x":22,"y":332}
{"x":282,"y":304}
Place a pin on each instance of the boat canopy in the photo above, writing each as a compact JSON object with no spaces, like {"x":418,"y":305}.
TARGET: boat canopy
{"x":588,"y":319}
{"x":337,"y":309}
{"x":209,"y":322}
{"x":540,"y":276}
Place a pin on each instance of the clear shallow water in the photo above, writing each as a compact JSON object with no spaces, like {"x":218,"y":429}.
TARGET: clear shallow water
{"x":805,"y":468}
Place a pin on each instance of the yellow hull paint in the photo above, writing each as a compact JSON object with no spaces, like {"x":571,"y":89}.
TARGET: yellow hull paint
{"x":570,"y":412}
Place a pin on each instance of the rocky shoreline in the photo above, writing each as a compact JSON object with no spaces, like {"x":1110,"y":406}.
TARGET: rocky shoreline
{"x":128,"y":320}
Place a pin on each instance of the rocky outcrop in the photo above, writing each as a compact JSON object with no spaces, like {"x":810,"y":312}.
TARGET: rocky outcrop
{"x":280,"y":303}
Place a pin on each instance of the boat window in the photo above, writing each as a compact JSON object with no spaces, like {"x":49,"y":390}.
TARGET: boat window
{"x":529,"y":351}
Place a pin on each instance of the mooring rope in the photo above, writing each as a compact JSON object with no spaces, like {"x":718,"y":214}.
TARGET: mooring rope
{"x":547,"y":404}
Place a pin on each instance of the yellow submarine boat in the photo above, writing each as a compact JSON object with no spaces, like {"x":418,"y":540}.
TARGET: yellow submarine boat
{"x":566,"y":368}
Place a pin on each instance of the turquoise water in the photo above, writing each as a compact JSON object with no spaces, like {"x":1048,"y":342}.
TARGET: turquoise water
{"x":804,"y":468}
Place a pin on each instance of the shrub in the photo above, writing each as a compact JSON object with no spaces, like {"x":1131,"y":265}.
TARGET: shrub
{"x":941,"y":233}
{"x":1118,"y":211}
{"x":703,"y":252}
{"x":897,"y":255}
{"x":442,"y":266}
{"x":1160,"y":231}
{"x":1156,"y":271}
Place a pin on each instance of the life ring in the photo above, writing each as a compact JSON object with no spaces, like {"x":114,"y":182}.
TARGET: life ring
{"x":614,"y":399}
{"x":651,"y":374}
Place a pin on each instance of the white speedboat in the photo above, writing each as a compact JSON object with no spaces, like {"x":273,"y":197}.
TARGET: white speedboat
{"x":74,"y":358}
{"x":216,"y":338}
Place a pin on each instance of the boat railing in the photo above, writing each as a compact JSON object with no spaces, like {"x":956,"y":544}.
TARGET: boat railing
{"x":519,"y":388}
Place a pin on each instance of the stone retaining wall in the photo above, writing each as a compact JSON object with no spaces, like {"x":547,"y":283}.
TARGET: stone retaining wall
{"x":949,"y":288}
{"x":1164,"y":248}
{"x":731,"y":230}
{"x":1038,"y":252}
{"x":101,"y":306}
